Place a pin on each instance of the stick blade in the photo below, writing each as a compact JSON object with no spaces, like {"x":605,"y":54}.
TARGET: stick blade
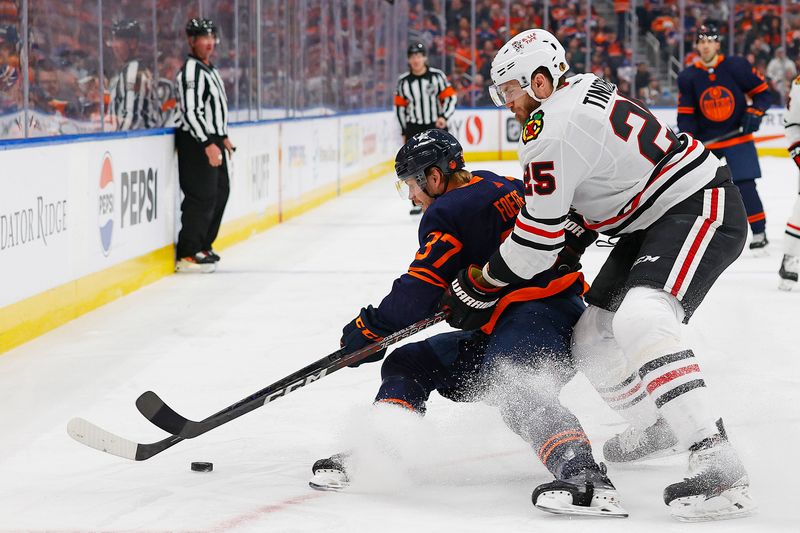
{"x":154,"y":409}
{"x":96,"y":437}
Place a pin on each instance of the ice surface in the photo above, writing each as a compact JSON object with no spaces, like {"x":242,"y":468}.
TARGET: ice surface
{"x":278,"y":302}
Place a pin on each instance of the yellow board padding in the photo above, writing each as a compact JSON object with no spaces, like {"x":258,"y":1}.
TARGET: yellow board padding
{"x":774,"y":152}
{"x":511,"y":155}
{"x":27,"y":319}
{"x":495,"y":155}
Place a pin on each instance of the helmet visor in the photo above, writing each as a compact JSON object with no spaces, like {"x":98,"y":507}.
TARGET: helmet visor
{"x":409,"y":186}
{"x":506,"y":92}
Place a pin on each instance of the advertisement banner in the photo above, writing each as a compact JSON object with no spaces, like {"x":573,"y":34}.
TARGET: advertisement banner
{"x":130,"y":185}
{"x":38,"y":221}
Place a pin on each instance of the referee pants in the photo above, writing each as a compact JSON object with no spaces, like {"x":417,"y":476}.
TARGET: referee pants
{"x":205,"y":194}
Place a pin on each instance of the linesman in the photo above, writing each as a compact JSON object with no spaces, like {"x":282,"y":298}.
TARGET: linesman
{"x":132,"y":104}
{"x":424,"y":99}
{"x":201,"y":138}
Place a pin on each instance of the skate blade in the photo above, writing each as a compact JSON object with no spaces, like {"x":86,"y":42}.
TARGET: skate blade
{"x":760,"y":252}
{"x":787,"y":285}
{"x":560,"y":502}
{"x":329,"y":482}
{"x":730,"y":504}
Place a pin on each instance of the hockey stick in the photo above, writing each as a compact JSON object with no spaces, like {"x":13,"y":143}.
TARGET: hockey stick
{"x":722,"y":138}
{"x":162,"y":415}
{"x":98,"y":438}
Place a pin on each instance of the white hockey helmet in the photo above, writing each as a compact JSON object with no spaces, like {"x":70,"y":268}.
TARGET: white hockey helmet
{"x":519,"y":57}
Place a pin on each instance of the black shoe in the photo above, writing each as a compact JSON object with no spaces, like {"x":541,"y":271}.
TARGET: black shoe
{"x":198,"y":262}
{"x":212,"y":254}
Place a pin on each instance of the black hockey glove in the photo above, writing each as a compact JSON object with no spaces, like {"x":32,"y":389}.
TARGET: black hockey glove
{"x":577,"y":239}
{"x":794,"y":153}
{"x":363,"y":330}
{"x":470,"y":304}
{"x":751,"y":120}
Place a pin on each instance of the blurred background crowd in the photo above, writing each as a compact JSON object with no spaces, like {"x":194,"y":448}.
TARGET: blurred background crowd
{"x":285,"y":58}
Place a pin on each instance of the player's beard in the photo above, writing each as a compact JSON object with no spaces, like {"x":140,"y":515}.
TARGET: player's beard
{"x":523,"y":113}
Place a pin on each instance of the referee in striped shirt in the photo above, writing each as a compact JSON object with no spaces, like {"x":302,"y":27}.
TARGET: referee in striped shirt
{"x":133,"y":104}
{"x":201,"y":138}
{"x":424,"y":99}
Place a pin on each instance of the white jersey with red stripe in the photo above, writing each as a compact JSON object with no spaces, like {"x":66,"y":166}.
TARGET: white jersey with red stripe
{"x":791,"y":120}
{"x":590,"y":148}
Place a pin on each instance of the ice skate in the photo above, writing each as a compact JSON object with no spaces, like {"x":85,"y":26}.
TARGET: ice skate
{"x":213,"y":255}
{"x":330,"y":473}
{"x":758,"y":245}
{"x":716,"y":488}
{"x":198,"y":262}
{"x":634,"y":444}
{"x":589,"y":493}
{"x":788,"y":272}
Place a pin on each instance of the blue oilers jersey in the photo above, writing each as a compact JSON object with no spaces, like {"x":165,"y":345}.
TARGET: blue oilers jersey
{"x":463,"y":226}
{"x":712,"y":100}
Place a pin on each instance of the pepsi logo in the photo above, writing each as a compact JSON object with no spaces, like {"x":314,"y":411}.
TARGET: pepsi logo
{"x":474,"y":129}
{"x":105,"y":204}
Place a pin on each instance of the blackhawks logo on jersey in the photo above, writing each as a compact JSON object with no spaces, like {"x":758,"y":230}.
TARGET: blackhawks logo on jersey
{"x":533,"y":127}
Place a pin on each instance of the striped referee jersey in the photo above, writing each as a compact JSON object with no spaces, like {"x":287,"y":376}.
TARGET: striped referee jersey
{"x":422,"y":99}
{"x":202,"y":101}
{"x":133,"y":104}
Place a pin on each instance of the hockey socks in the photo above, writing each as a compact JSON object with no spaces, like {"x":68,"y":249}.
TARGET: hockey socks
{"x":675,"y":383}
{"x":753,"y":206}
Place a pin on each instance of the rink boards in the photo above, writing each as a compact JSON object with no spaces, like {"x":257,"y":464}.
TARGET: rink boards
{"x":492,"y":135}
{"x":87,"y":219}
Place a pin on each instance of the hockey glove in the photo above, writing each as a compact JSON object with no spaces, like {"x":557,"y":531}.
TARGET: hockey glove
{"x":794,"y":153}
{"x":363,"y":330}
{"x":470,"y":303}
{"x":577,"y":239}
{"x":751,"y":120}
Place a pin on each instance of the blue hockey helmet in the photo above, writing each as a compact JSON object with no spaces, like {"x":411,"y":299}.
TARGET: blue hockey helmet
{"x":432,"y":148}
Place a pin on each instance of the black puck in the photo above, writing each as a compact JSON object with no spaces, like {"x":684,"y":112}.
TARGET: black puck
{"x":202,"y":467}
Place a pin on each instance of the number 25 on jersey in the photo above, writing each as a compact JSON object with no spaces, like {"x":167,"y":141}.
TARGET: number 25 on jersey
{"x":538,"y":180}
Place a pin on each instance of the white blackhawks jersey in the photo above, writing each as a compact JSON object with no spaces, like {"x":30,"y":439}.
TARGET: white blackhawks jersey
{"x":791,"y":120}
{"x":590,"y":148}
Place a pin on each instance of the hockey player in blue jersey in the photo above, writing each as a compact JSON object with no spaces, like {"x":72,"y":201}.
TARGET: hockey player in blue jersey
{"x":467,"y":215}
{"x":720,"y":95}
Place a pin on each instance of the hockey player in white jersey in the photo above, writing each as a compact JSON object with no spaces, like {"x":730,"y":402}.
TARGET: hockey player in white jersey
{"x":680,"y":223}
{"x":791,"y":245}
